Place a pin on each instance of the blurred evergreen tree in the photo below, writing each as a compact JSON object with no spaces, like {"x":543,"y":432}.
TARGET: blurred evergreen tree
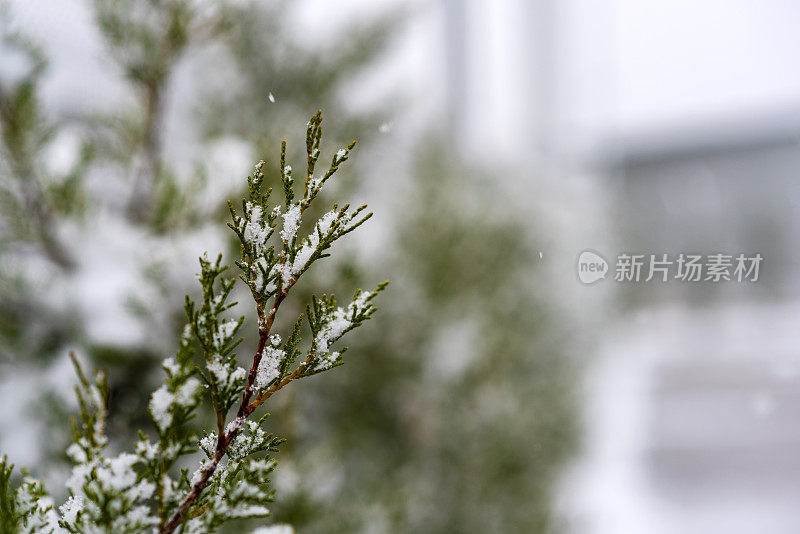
{"x":462,"y":412}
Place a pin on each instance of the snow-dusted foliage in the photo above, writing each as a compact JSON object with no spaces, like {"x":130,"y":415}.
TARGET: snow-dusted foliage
{"x":144,"y":490}
{"x":270,"y":271}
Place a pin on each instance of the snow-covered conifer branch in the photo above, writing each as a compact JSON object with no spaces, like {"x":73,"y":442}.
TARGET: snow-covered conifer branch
{"x":144,"y":490}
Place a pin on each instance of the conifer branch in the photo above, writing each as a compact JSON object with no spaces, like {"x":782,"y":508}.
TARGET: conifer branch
{"x":253,"y":235}
{"x":139,"y":491}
